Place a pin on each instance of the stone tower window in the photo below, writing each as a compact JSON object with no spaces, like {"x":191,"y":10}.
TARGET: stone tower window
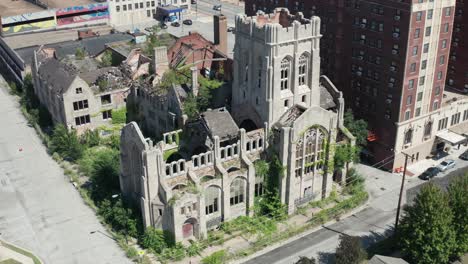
{"x":285,"y":73}
{"x":303,"y":68}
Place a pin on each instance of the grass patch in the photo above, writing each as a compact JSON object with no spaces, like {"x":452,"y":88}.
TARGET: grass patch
{"x":22,"y":252}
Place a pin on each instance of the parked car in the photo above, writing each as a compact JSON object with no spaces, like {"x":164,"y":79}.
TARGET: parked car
{"x":464,"y":155}
{"x":193,"y":2}
{"x":446,"y":164}
{"x":217,"y":7}
{"x":230,"y":29}
{"x":163,"y":26}
{"x":175,"y":24}
{"x":429,"y":173}
{"x":187,"y":22}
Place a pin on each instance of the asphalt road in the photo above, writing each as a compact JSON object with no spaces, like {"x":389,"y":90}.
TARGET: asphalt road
{"x":39,"y":209}
{"x":372,"y":224}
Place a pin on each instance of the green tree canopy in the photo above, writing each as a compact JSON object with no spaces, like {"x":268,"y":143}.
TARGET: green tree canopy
{"x":426,"y":234}
{"x":458,"y":201}
{"x":306,"y":260}
{"x":105,"y":174}
{"x":66,"y":143}
{"x":349,"y":250}
{"x":357,"y":127}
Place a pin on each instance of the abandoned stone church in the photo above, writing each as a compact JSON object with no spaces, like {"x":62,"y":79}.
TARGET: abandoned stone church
{"x":203,"y":174}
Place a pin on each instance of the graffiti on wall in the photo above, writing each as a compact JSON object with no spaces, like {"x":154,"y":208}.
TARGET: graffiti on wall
{"x":30,"y":26}
{"x":82,"y":18}
{"x":81,"y":9}
{"x":28,"y":17}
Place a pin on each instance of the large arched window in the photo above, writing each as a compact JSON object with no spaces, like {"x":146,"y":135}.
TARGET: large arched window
{"x":212,"y":198}
{"x":285,"y":73}
{"x":310,"y":151}
{"x":237,"y":191}
{"x":303,"y":68}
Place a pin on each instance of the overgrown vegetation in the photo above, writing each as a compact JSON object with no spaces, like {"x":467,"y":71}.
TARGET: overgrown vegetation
{"x":194,"y":105}
{"x":357,"y":127}
{"x":108,"y":59}
{"x":218,"y":257}
{"x":66,"y":143}
{"x":119,"y":116}
{"x":434,"y":228}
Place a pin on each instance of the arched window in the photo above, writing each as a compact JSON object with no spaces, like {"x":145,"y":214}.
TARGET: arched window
{"x":285,"y":73}
{"x":212,"y":198}
{"x":310,"y":151}
{"x":408,"y":136}
{"x":428,"y":129}
{"x":237,"y":191}
{"x":303,"y":68}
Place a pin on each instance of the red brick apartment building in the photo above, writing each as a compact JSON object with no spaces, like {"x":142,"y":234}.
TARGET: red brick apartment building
{"x":457,"y":76}
{"x":389,"y":57}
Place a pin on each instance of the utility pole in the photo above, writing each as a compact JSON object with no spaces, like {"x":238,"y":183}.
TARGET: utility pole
{"x":401,"y":191}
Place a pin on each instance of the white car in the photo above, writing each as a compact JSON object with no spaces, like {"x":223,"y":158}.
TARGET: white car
{"x":446,"y":164}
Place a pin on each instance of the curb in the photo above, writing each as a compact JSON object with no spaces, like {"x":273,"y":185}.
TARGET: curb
{"x":28,"y":254}
{"x":296,"y":237}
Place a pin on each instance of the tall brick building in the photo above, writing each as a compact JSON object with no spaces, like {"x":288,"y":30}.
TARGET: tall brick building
{"x":457,"y":76}
{"x":389,"y":58}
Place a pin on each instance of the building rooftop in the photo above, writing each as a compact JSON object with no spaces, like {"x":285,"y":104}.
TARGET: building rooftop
{"x":220,"y":123}
{"x":67,"y":3}
{"x":280,"y":16}
{"x":450,"y":97}
{"x":14,"y":8}
{"x":92,"y":46}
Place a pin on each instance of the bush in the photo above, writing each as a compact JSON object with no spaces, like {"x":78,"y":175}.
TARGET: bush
{"x":194,"y":249}
{"x":120,"y":218}
{"x":218,"y":257}
{"x":354,"y":182}
{"x":175,"y":253}
{"x":154,"y":239}
{"x":66,"y":143}
{"x":90,"y":138}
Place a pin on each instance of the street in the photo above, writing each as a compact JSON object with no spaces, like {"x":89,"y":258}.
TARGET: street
{"x":40,"y":209}
{"x":372,"y":224}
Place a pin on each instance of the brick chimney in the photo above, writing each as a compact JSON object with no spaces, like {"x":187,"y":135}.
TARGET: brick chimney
{"x":194,"y":70}
{"x":160,"y":60}
{"x":220,"y":32}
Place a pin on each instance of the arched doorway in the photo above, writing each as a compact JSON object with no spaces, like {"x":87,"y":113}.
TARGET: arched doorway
{"x":248,"y":125}
{"x":189,"y":228}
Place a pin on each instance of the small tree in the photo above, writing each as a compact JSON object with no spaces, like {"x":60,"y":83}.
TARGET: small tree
{"x":458,"y":201}
{"x":344,"y":154}
{"x":349,"y":250}
{"x":190,"y":106}
{"x":66,"y":143}
{"x":306,"y":260}
{"x":426,"y":234}
{"x":80,"y":53}
{"x":105,"y":174}
{"x":357,"y":127}
{"x":154,"y":239}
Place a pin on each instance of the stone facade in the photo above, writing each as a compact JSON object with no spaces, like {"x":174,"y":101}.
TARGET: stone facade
{"x":73,"y":97}
{"x":425,"y":135}
{"x":204,"y":173}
